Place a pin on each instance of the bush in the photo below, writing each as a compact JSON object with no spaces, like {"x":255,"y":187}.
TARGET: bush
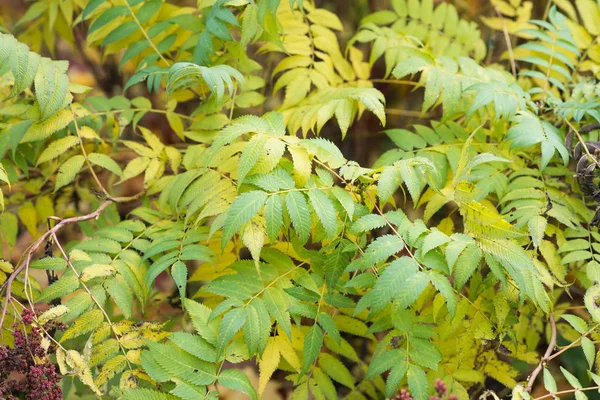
{"x":176,"y":201}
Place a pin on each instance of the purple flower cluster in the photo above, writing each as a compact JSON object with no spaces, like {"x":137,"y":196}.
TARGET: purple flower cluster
{"x":24,"y":369}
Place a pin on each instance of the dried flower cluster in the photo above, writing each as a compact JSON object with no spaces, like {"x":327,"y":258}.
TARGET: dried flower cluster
{"x":25,"y":369}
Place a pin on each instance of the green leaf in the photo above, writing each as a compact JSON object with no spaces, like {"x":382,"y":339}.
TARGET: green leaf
{"x":442,"y":284}
{"x":312,"y":347}
{"x":68,"y":170}
{"x":389,"y":181}
{"x":549,"y":382}
{"x":537,"y":227}
{"x":250,"y":155}
{"x":120,"y":292}
{"x":273,"y":216}
{"x":84,"y":324}
{"x":335,"y":265}
{"x":589,"y":350}
{"x":194,"y":345}
{"x":328,"y":325}
{"x":148,"y":10}
{"x":179,"y":273}
{"x":49,"y":263}
{"x":182,"y":365}
{"x":395,"y":376}
{"x":530,"y":130}
{"x":105,"y":162}
{"x":277,"y":304}
{"x":57,"y":148}
{"x":100,"y":245}
{"x":51,"y":88}
{"x":243,"y":208}
{"x":12,"y":136}
{"x":417,"y":382}
{"x":384,"y":362}
{"x":573,"y":381}
{"x":336,"y":370}
{"x":122,"y":31}
{"x":257,"y":327}
{"x":109,"y":15}
{"x":237,"y":380}
{"x":576,"y":322}
{"x":68,"y":283}
{"x":297,"y":208}
{"x":325,"y":211}
{"x":231,"y":323}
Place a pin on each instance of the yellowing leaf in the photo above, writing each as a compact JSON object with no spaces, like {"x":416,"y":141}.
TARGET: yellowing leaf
{"x":268,"y":364}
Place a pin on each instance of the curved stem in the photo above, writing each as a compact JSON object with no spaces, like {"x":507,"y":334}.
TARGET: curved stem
{"x":37,"y":244}
{"x":547,"y":355}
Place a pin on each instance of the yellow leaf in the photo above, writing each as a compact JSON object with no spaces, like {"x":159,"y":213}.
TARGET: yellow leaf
{"x":28,"y":216}
{"x":302,"y":164}
{"x":287,"y":351}
{"x":96,"y":271}
{"x":254,"y":238}
{"x":176,"y":124}
{"x":590,"y":14}
{"x":81,"y":369}
{"x":268,"y":364}
{"x":52,"y":313}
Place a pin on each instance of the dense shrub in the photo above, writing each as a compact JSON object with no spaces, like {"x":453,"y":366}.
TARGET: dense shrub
{"x":176,"y":200}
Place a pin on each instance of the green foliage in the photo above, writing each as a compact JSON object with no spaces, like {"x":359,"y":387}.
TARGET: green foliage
{"x":447,"y":258}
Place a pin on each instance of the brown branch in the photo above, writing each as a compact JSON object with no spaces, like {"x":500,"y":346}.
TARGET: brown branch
{"x":546,"y":357}
{"x":37,"y":244}
{"x":511,"y":56}
{"x":553,"y":395}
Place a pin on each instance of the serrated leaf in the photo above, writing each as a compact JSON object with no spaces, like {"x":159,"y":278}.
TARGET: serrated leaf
{"x":49,"y":263}
{"x":576,"y":322}
{"x":297,"y":208}
{"x":549,"y":382}
{"x":384,"y":362}
{"x":268,"y":363}
{"x":84,"y":324}
{"x":67,"y":283}
{"x":237,"y":380}
{"x":105,"y":162}
{"x":57,"y":148}
{"x":325,"y":211}
{"x":336,"y":370}
{"x":589,"y":350}
{"x":231,"y":323}
{"x":417,"y":382}
{"x":243,"y":208}
{"x":179,"y":273}
{"x":312,"y":347}
{"x":273,"y":216}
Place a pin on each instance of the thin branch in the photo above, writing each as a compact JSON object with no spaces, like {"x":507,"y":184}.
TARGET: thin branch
{"x":37,"y":244}
{"x":553,"y":395}
{"x":395,"y":82}
{"x":578,"y":134}
{"x":139,"y":24}
{"x":547,"y":355}
{"x":513,"y":65}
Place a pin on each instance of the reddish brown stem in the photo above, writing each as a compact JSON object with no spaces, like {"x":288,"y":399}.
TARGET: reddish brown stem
{"x":546,"y":357}
{"x":36,"y":245}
